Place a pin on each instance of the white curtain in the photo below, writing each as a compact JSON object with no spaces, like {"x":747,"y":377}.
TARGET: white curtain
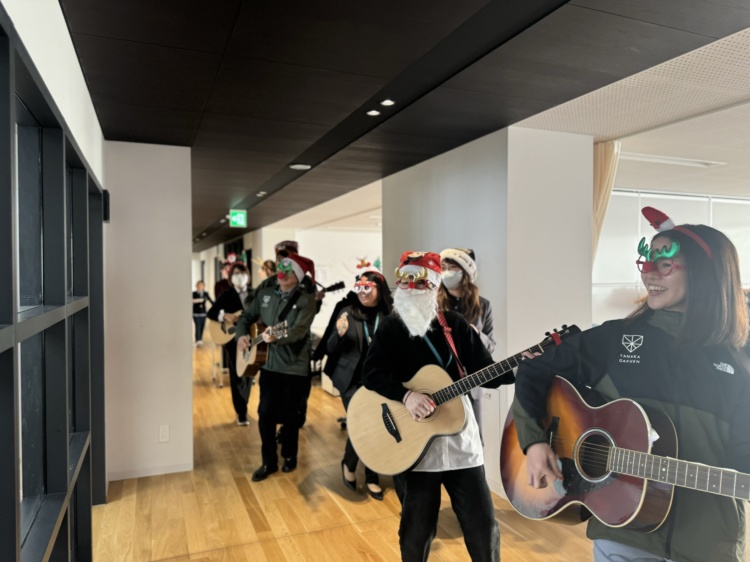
{"x":606,"y":155}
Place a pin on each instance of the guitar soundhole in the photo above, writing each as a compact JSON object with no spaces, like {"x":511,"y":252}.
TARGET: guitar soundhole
{"x":592,"y":451}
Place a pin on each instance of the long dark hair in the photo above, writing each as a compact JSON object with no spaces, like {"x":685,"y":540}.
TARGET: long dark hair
{"x":385,"y":299}
{"x":715,"y":307}
{"x":471,"y":307}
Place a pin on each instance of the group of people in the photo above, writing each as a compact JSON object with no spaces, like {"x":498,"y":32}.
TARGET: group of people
{"x":693,"y":331}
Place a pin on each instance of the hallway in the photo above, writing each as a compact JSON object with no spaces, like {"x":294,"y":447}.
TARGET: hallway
{"x":216,"y":514}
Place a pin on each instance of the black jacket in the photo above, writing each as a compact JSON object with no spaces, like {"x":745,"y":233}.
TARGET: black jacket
{"x":321,"y":351}
{"x":347,"y":353}
{"x":229,"y":302}
{"x":199,"y":307}
{"x":395,"y":356}
{"x":704,"y":390}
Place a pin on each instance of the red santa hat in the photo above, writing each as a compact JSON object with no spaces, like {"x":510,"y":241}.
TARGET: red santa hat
{"x":288,"y":246}
{"x":661,"y":222}
{"x":300,"y":266}
{"x":420,"y":265}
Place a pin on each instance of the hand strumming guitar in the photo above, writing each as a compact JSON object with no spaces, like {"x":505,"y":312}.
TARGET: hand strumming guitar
{"x":418,"y":405}
{"x":243,"y":342}
{"x":541,"y":464}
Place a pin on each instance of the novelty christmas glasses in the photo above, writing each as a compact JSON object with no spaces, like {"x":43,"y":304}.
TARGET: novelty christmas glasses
{"x":661,"y":261}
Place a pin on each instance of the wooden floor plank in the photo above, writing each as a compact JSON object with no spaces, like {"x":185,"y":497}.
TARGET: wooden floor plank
{"x":216,"y":514}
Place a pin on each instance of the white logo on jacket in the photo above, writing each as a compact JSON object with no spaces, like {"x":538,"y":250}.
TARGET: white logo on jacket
{"x":632,"y":343}
{"x":266,"y":300}
{"x":725,"y":367}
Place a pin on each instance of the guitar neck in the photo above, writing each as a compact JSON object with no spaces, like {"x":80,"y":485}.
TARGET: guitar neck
{"x":465,"y":384}
{"x":685,"y":474}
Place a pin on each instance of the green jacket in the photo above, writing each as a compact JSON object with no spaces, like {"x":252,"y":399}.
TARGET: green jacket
{"x":704,"y":390}
{"x":289,"y":355}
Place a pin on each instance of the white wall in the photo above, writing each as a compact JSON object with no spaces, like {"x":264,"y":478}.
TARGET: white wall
{"x":41,"y":26}
{"x":147,"y":310}
{"x":516,"y":197}
{"x":336,"y":254}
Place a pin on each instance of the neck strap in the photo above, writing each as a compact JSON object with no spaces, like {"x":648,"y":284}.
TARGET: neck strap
{"x":448,"y":336}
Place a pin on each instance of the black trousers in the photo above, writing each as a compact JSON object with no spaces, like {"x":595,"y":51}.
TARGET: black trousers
{"x":240,"y":386}
{"x":471,"y":501}
{"x":281,"y":399}
{"x":350,"y":455}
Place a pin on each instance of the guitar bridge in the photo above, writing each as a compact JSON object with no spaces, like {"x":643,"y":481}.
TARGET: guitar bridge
{"x":390,"y":424}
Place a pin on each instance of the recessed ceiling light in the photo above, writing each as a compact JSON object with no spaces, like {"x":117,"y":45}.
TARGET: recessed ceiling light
{"x":673,"y":160}
{"x":260,"y":194}
{"x":203,"y":235}
{"x":223,"y":221}
{"x":387,"y":103}
{"x":302,"y":167}
{"x":373,"y":113}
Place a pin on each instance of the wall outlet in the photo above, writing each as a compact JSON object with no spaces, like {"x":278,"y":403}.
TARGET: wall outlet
{"x":163,"y":433}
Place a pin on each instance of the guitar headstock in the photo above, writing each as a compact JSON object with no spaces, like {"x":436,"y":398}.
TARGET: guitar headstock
{"x":280,"y":330}
{"x":556,"y":336}
{"x":335,"y":287}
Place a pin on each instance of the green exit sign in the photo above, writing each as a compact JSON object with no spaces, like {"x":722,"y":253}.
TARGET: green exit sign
{"x":237,"y":218}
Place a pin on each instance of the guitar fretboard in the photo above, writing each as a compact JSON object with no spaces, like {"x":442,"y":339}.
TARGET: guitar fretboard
{"x":685,"y":474}
{"x":465,"y":384}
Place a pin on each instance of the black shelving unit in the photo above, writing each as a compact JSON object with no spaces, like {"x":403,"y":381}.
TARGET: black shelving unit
{"x":51,"y":324}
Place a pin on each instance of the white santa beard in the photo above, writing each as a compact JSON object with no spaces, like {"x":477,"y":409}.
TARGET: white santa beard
{"x":417,"y":309}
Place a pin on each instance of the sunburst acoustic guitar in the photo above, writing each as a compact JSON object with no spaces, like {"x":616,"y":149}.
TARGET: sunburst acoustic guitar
{"x":389,"y":441}
{"x":618,"y":461}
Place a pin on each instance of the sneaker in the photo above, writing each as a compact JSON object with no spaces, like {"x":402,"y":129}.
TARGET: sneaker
{"x":243,"y":421}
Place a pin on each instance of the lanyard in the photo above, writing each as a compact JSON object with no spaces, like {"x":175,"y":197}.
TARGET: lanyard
{"x":375,"y":329}
{"x":436,"y":354}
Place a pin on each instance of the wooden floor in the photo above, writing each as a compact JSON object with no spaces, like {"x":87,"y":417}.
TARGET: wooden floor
{"x":216,"y":514}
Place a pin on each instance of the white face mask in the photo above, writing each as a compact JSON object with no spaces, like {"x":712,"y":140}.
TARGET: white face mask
{"x":239,"y":280}
{"x":452,"y":278}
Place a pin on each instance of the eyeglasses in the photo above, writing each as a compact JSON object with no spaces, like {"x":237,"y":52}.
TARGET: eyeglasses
{"x":421,"y":285}
{"x":365,"y":287}
{"x":285,"y":268}
{"x":662,"y":267}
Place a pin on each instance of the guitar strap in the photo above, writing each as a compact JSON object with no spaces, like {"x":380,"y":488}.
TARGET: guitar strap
{"x":447,"y":331}
{"x":289,"y":305}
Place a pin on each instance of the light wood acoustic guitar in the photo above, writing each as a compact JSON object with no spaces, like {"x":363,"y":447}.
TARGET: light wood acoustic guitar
{"x":618,"y":461}
{"x":222,"y":332}
{"x":249,"y":361}
{"x":389,"y":441}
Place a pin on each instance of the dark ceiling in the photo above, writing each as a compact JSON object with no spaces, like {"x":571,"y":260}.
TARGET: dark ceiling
{"x":253,"y":86}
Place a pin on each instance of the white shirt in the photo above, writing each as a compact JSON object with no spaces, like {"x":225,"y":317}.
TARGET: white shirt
{"x":454,"y":452}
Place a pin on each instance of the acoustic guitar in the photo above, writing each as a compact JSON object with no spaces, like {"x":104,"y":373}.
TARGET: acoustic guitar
{"x":223,"y":332}
{"x":331,"y":288}
{"x":389,"y":441}
{"x":248,"y":364}
{"x":618,"y":463}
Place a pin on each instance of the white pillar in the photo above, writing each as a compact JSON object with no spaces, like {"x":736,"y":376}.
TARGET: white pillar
{"x":522,"y":199}
{"x":148,"y":310}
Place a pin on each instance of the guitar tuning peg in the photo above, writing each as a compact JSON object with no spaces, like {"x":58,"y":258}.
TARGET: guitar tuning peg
{"x":564,"y":326}
{"x":546,"y":334}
